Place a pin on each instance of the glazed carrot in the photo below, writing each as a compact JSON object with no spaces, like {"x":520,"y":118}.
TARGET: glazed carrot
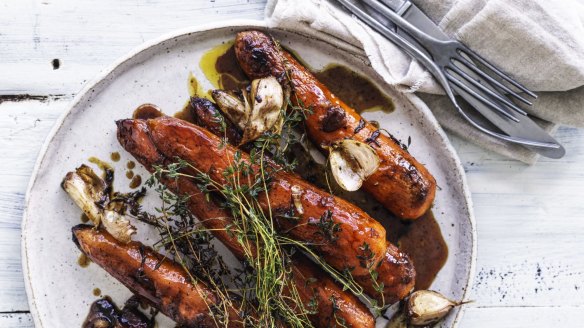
{"x":359,"y":244}
{"x":310,"y":281}
{"x":401,"y":183}
{"x":162,"y":282}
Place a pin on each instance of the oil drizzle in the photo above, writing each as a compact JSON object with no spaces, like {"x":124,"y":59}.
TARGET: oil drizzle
{"x":354,"y":89}
{"x":195,"y":88}
{"x":104,"y":166}
{"x":220,"y":67}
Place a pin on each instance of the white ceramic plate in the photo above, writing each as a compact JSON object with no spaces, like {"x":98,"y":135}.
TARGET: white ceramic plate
{"x":60,"y":291}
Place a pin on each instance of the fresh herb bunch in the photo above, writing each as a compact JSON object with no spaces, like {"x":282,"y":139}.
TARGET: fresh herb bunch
{"x":264,"y":282}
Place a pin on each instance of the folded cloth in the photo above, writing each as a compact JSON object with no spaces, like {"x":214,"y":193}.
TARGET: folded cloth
{"x":539,"y":42}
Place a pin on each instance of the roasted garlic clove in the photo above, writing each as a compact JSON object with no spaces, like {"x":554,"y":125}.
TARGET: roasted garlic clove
{"x":234,"y":107}
{"x":87,"y":189}
{"x":352,"y":162}
{"x":256,"y":111}
{"x":118,"y":226}
{"x":266,"y":98}
{"x":426,"y":307}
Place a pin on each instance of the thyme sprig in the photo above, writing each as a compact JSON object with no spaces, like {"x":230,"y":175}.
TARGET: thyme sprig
{"x":264,"y":283}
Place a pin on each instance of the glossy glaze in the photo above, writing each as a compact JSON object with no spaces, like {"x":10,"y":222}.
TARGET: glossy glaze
{"x":421,"y":239}
{"x":360,"y":235}
{"x":134,"y":137}
{"x":401,"y":183}
{"x":166,"y":286}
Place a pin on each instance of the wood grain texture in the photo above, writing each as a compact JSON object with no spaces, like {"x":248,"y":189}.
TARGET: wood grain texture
{"x":16,"y":320}
{"x":23,"y":128}
{"x":88,"y":36}
{"x":530,"y":270}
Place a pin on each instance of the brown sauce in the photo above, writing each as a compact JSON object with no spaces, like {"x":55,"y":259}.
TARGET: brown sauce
{"x":136,"y":181}
{"x":422,"y":240}
{"x":221,"y":69}
{"x":130,"y":165}
{"x":354,"y":89}
{"x":84,"y":218}
{"x":129,"y":174}
{"x":104,"y":313}
{"x":231,"y":76}
{"x":185,"y":114}
{"x":195,"y":90}
{"x":147,"y":111}
{"x":96,"y":292}
{"x":115,"y":156}
{"x":83,"y":260}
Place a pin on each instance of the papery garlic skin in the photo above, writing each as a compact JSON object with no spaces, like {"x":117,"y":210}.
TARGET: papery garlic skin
{"x":87,"y":189}
{"x":266,"y":99}
{"x":426,"y":307}
{"x":118,"y":226}
{"x":232,"y":106}
{"x":254,"y":112}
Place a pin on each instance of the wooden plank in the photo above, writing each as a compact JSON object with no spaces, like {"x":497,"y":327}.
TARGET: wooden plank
{"x":23,"y":128}
{"x":87,"y":36}
{"x":16,"y":320}
{"x":529,"y":221}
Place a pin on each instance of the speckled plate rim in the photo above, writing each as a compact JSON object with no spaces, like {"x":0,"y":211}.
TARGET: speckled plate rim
{"x":104,"y":74}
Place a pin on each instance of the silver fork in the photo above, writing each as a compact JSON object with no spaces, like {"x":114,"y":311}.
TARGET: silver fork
{"x":452,"y":65}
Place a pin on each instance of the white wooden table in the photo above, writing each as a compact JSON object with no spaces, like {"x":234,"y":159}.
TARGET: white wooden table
{"x":530,"y":270}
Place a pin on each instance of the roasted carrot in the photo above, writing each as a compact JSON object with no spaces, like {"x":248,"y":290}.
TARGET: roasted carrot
{"x":358,"y":245}
{"x":311,"y":283}
{"x":401,"y":183}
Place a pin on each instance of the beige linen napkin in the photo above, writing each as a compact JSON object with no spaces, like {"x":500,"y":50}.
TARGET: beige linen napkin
{"x":539,"y":42}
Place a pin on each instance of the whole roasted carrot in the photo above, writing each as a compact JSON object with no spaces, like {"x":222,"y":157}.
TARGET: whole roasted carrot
{"x":160,"y":281}
{"x":401,"y":183}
